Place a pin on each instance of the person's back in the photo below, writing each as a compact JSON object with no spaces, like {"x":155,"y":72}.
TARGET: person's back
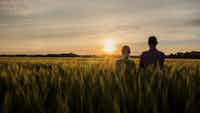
{"x":124,"y":65}
{"x":152,"y":57}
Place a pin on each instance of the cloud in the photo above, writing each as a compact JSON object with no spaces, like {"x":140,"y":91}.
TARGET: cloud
{"x":195,"y":22}
{"x":81,"y":20}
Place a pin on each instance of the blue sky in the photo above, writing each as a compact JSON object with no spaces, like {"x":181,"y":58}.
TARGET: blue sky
{"x":57,"y":26}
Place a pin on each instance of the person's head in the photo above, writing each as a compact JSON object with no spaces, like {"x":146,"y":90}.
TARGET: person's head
{"x":152,"y":41}
{"x":126,"y":51}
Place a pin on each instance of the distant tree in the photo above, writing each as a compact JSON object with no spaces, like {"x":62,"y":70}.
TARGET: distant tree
{"x":193,"y":55}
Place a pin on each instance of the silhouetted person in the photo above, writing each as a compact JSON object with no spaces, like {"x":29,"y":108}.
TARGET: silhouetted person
{"x":124,"y":65}
{"x":152,"y":57}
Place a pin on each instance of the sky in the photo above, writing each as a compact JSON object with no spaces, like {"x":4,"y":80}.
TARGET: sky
{"x":82,"y":26}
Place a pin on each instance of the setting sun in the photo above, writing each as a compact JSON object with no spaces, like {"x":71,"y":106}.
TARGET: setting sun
{"x":109,"y":46}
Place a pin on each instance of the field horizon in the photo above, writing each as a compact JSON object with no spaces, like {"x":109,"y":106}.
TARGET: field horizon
{"x":180,"y":55}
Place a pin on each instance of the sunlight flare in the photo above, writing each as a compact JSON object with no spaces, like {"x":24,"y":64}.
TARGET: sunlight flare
{"x":109,"y":46}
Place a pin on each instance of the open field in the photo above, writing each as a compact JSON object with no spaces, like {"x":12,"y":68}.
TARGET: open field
{"x":90,"y":85}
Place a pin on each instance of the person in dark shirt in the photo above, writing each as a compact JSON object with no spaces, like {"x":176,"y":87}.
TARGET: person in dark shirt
{"x":124,"y":65}
{"x":152,"y":57}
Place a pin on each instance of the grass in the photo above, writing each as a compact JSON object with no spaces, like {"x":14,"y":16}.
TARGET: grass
{"x":66,"y":85}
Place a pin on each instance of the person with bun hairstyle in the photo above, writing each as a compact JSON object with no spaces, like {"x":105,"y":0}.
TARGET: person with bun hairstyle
{"x":125,"y":65}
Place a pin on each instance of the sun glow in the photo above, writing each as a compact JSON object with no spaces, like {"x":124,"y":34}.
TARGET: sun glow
{"x":109,"y":46}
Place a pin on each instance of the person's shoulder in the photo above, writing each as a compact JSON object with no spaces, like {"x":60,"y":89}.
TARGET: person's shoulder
{"x":144,"y":53}
{"x":161,"y":53}
{"x":130,"y":60}
{"x":118,"y":61}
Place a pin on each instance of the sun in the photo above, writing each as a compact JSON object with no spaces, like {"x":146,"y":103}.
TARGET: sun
{"x":109,"y":46}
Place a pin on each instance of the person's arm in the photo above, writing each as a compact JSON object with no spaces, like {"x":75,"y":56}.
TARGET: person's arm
{"x":141,"y":62}
{"x":133,"y":67}
{"x":162,"y":60}
{"x":117,"y":67}
{"x":118,"y":70}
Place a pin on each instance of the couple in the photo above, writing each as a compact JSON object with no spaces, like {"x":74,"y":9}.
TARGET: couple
{"x":152,"y":57}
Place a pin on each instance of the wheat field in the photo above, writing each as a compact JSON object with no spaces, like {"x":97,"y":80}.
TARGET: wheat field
{"x":90,"y":85}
